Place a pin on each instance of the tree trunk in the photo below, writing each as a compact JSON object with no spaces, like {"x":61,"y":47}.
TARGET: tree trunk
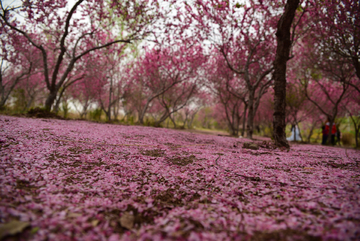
{"x":163,"y":118}
{"x":357,"y":130}
{"x":58,"y":101}
{"x":185,"y":120}
{"x":356,"y":136}
{"x":311,"y":132}
{"x":250,"y":117}
{"x":108,"y":113}
{"x":50,"y":100}
{"x":85,"y":110}
{"x":282,"y":56}
{"x":301,"y":138}
{"x":244,"y":120}
{"x":29,"y":103}
{"x":172,"y":118}
{"x":142,"y":113}
{"x":192,"y":117}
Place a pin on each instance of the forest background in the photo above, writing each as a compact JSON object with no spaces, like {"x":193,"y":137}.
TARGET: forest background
{"x":199,"y":64}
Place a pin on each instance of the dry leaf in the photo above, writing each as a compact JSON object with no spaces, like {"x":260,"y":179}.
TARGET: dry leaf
{"x":74,"y":215}
{"x":13,"y":227}
{"x":95,"y":222}
{"x":127,"y":220}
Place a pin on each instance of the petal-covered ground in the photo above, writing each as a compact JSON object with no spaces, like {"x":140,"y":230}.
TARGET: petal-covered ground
{"x":76,"y":180}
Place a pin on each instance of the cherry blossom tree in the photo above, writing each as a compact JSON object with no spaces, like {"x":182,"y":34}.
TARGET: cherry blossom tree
{"x":335,"y":32}
{"x":330,"y":74}
{"x":10,"y":76}
{"x":33,"y":88}
{"x":85,"y":92}
{"x":298,"y":108}
{"x":153,"y":75}
{"x":245,"y":36}
{"x":17,"y":64}
{"x":176,"y":99}
{"x":338,"y":30}
{"x":230,"y":92}
{"x":161,"y":69}
{"x":212,"y":116}
{"x":326,"y":95}
{"x":294,"y":101}
{"x":63,"y":34}
{"x":203,"y":99}
{"x":114,"y":90}
{"x":263,"y":118}
{"x":194,"y":105}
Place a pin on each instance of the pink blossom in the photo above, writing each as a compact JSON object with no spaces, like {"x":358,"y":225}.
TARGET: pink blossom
{"x":84,"y":182}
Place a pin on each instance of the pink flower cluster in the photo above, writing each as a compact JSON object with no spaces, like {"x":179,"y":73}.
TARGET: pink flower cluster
{"x":76,"y":180}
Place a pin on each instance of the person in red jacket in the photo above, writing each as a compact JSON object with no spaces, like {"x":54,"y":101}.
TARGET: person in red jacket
{"x":326,"y":132}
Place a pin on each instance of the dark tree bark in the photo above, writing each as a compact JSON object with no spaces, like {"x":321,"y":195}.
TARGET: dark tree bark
{"x":282,"y":56}
{"x":244,"y":118}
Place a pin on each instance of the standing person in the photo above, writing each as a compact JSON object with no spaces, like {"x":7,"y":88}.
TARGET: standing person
{"x":333,"y":133}
{"x":327,"y":132}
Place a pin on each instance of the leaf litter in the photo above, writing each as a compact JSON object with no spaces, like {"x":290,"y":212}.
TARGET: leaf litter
{"x":61,"y":181}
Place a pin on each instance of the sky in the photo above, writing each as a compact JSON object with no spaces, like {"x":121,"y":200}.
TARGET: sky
{"x":10,"y":2}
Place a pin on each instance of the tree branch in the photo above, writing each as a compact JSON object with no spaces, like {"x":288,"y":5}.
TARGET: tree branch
{"x":101,"y":47}
{"x":62,"y":43}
